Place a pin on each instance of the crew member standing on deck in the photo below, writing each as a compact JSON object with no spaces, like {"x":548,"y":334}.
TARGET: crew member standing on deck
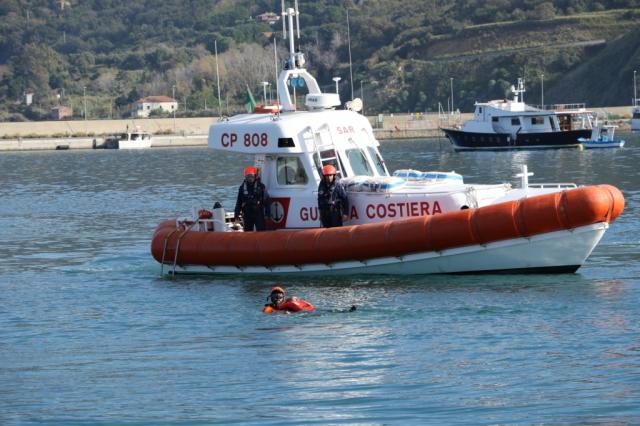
{"x":253,"y":202}
{"x":332,"y":199}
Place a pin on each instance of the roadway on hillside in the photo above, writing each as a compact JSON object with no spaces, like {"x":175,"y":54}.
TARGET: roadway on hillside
{"x":504,"y":52}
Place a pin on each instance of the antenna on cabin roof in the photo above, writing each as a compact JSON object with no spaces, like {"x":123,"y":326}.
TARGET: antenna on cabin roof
{"x":284,"y":25}
{"x":297,"y":18}
{"x":349,"y":44}
{"x":275,"y":60}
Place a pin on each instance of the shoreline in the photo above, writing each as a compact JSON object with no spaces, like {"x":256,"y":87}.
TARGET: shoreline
{"x":184,"y":132}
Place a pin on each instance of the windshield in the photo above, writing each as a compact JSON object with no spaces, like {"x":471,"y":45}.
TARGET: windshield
{"x":377,"y":161}
{"x":358,"y":162}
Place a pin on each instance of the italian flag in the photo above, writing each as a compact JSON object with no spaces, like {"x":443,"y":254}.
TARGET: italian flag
{"x":250,"y":103}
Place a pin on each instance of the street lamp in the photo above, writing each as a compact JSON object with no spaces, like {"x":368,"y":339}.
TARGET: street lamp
{"x":337,"y":79}
{"x":84,"y":99}
{"x":542,"y":89}
{"x":264,"y":91}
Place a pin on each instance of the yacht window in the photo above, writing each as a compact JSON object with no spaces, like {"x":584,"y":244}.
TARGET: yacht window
{"x":377,"y":161}
{"x":494,"y":119}
{"x":537,"y":120}
{"x":291,"y":171}
{"x":636,"y":115}
{"x":358,"y":162}
{"x":515,"y":121}
{"x":480,"y":110}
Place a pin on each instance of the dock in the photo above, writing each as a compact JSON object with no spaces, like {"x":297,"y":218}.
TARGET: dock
{"x":183,"y":132}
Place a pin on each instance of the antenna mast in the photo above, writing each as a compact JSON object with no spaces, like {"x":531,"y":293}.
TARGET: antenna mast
{"x":297,"y":18}
{"x":349,"y":43}
{"x":284,"y":25}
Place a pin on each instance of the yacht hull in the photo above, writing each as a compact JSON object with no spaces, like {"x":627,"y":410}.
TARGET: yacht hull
{"x":462,"y":140}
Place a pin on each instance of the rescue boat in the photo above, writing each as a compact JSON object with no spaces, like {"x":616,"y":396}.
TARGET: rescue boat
{"x":406,"y":222}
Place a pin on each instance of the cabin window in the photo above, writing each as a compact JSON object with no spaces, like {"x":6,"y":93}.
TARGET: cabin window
{"x":636,"y":115}
{"x":494,"y":119}
{"x":291,"y":171}
{"x":515,"y":121}
{"x":377,"y":161}
{"x":286,"y":143}
{"x":552,"y":124}
{"x":537,"y":120}
{"x":358,"y":162}
{"x":480,"y":110}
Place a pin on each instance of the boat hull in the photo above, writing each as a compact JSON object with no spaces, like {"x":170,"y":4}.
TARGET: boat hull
{"x":138,"y":144}
{"x":563,"y":252}
{"x":597,"y":145}
{"x":547,"y":232}
{"x":462,"y":140}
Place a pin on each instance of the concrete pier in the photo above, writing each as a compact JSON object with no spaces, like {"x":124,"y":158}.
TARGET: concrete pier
{"x":169,"y":132}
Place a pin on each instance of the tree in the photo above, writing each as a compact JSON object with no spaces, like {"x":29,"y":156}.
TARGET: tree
{"x":32,"y":68}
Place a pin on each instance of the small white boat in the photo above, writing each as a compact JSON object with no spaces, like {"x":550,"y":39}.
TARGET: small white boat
{"x":130,"y":140}
{"x":602,"y":136}
{"x":635,"y":116}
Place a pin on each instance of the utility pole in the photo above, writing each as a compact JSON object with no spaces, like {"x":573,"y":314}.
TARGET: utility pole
{"x":174,"y":107}
{"x":542,"y":89}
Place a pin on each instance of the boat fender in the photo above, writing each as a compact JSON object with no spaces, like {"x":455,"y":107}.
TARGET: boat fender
{"x":218,"y":217}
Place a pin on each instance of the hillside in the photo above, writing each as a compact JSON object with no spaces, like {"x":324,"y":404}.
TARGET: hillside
{"x":106,"y":54}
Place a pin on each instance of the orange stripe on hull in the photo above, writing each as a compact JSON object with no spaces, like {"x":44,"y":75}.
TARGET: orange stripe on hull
{"x":514,"y":219}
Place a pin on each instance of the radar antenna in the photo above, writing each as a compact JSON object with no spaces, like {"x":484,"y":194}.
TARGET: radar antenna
{"x":284,"y":25}
{"x":297,"y":18}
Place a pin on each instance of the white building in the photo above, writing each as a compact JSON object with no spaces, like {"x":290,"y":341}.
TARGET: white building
{"x":143,"y":107}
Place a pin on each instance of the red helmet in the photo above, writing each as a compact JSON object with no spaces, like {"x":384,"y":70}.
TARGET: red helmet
{"x":250,"y":171}
{"x":328,"y":170}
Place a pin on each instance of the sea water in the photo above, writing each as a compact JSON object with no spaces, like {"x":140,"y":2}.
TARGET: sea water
{"x":90,"y":333}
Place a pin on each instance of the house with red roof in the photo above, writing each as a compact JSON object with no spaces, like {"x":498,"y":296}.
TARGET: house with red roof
{"x":143,"y":107}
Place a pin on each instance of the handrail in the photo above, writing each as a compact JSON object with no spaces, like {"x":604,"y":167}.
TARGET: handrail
{"x":164,"y":249}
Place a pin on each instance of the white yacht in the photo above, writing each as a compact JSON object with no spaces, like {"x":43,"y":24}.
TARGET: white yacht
{"x":512,"y":124}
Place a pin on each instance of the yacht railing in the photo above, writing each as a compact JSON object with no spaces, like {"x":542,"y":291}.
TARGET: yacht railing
{"x":562,"y":107}
{"x":553,"y":185}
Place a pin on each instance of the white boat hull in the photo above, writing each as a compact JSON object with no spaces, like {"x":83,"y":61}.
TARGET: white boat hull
{"x":138,"y":144}
{"x":561,"y":251}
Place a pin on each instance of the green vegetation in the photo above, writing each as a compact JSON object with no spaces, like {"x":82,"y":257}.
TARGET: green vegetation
{"x":108,"y":53}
